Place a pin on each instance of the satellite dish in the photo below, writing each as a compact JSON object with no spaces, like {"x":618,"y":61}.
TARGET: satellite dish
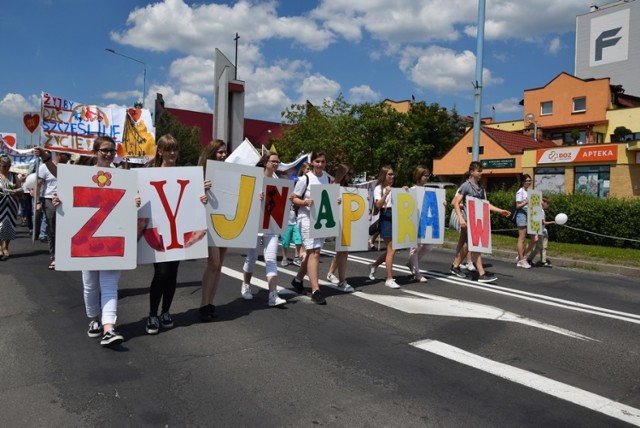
{"x":530,"y":118}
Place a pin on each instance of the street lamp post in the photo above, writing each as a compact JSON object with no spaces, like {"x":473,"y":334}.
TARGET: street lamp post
{"x":144,"y":75}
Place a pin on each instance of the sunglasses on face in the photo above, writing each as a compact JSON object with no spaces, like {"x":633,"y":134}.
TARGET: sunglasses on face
{"x":107,"y":151}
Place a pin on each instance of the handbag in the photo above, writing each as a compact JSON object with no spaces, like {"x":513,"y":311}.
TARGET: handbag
{"x":514,"y":213}
{"x":454,"y":221}
{"x":374,"y":227}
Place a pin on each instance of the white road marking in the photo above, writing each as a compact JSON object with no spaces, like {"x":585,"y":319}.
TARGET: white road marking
{"x":427,"y":304}
{"x":518,"y":294}
{"x":545,"y":385}
{"x":441,"y":306}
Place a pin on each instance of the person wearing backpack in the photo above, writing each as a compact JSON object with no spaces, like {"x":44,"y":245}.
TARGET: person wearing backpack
{"x":313,"y":246}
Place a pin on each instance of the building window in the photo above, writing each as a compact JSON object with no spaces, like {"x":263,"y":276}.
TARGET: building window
{"x":546,"y":108}
{"x":598,"y":137}
{"x":593,"y":180}
{"x":580,"y":105}
{"x":480,"y":150}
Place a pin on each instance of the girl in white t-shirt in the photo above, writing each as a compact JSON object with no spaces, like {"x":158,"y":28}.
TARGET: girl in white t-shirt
{"x":522,"y":204}
{"x":313,"y":246}
{"x":384,"y":202}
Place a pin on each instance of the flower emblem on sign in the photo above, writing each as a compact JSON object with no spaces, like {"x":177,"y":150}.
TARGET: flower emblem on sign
{"x":102,"y":179}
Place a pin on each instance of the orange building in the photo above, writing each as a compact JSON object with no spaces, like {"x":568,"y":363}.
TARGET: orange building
{"x":573,"y":120}
{"x":500,"y":156}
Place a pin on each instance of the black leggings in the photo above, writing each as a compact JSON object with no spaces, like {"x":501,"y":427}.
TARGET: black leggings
{"x":163,"y":286}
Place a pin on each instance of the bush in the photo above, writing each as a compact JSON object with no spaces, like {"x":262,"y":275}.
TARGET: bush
{"x":605,"y":218}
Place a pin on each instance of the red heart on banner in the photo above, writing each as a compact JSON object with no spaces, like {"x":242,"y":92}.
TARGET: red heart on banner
{"x":135,"y":114}
{"x":31,"y":121}
{"x":9,"y":140}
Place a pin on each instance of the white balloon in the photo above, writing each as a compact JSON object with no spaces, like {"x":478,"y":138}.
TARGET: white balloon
{"x":561,"y":219}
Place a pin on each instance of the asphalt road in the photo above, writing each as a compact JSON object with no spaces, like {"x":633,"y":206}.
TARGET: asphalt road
{"x":540,"y":347}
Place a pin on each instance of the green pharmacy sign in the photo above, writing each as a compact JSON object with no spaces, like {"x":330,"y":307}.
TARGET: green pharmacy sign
{"x":498,"y":163}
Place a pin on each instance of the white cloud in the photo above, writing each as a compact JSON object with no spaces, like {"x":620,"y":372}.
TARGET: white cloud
{"x":388,"y":32}
{"x":555,"y":46}
{"x":13,"y":105}
{"x":363,"y":93}
{"x":201,"y":28}
{"x":443,"y":70}
{"x":509,"y":105}
{"x":413,"y":21}
{"x":181,"y":99}
{"x":318,"y":88}
{"x":194,"y":74}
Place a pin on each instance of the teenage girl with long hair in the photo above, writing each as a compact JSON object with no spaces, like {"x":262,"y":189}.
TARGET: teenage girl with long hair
{"x":216,"y":150}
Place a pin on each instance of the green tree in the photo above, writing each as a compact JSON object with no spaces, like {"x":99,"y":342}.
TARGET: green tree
{"x":187,"y":137}
{"x":378,"y":137}
{"x":316,"y":128}
{"x":368,"y":136}
{"x":620,"y":132}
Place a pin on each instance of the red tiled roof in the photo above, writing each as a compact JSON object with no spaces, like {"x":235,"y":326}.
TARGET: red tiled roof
{"x":257,"y":131}
{"x":516,"y":142}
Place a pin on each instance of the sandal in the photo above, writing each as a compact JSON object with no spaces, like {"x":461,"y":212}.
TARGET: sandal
{"x":52,"y":265}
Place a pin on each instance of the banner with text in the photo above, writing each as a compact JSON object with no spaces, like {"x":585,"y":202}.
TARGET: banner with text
{"x":324,"y":211}
{"x":478,"y":225}
{"x":69,"y":126}
{"x":353,"y":224}
{"x":171,"y":218}
{"x":234,"y":206}
{"x":96,"y":219}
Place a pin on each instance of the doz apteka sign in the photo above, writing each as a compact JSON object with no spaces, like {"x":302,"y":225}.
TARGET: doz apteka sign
{"x":598,"y":153}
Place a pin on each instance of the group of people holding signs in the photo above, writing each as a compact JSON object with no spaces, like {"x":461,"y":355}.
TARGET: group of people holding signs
{"x":111,"y":219}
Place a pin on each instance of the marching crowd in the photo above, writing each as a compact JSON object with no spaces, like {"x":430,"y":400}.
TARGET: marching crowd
{"x":101,"y":286}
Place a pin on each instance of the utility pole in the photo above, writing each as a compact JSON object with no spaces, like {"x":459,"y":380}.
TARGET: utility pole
{"x":475,"y":150}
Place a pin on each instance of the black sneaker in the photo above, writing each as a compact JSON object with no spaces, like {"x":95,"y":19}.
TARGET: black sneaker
{"x":111,"y":337}
{"x":546,"y":263}
{"x":207,"y":313}
{"x":153,"y":325}
{"x":165,"y":320}
{"x":487,"y":277}
{"x":458,"y":272}
{"x":298,"y":285}
{"x":95,"y":329}
{"x":317,"y":298}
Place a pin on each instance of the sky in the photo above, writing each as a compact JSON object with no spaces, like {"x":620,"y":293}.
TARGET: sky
{"x":289,"y":51}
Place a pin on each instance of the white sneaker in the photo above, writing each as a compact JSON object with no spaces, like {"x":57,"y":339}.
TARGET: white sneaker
{"x":372,"y":272}
{"x":469,"y":266}
{"x":343,"y":286}
{"x":421,"y":278}
{"x":296,"y":261}
{"x":332,"y":278}
{"x":523,"y":264}
{"x":246,"y":291}
{"x":284,"y":262}
{"x":391,"y":283}
{"x":275,"y":300}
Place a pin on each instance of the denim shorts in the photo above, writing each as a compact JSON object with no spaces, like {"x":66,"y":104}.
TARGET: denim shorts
{"x":385,"y":224}
{"x":521,"y":219}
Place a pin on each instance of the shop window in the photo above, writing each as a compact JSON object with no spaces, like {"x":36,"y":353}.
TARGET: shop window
{"x":546,"y":108}
{"x":593,"y":180}
{"x":549,"y":180}
{"x":580,"y":105}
